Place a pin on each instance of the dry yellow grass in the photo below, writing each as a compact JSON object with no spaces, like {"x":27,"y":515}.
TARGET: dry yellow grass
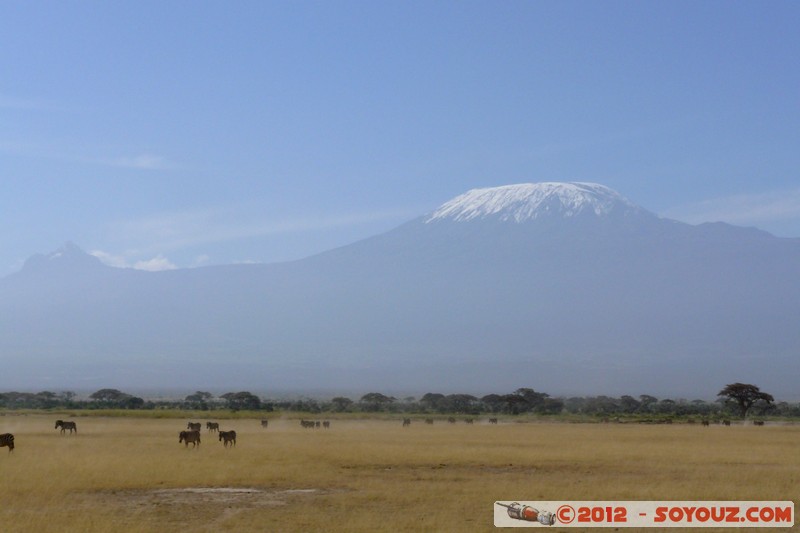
{"x":367,"y":475}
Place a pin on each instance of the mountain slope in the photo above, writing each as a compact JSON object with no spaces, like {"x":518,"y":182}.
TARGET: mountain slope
{"x":568,"y":288}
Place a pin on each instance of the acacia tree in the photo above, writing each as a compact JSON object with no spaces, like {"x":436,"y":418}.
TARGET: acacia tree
{"x":341,"y":404}
{"x":108,"y":395}
{"x":432,"y":401}
{"x":744,"y":395}
{"x":493,"y":402}
{"x":116,"y":398}
{"x":242,"y":400}
{"x":375,"y":401}
{"x":532,"y":398}
{"x":462,"y":403}
{"x":199,"y":399}
{"x":514,"y":403}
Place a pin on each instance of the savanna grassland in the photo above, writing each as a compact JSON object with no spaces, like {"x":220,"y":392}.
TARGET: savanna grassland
{"x":131,"y":474}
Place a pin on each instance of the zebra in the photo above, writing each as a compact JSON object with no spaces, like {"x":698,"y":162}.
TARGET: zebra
{"x":212,"y":426}
{"x":228,"y":436}
{"x":194,"y":426}
{"x":493,"y":421}
{"x":468,"y":420}
{"x":7,"y":439}
{"x":429,"y":421}
{"x":326,"y":424}
{"x":406,"y":422}
{"x":264,"y":423}
{"x":758,"y":422}
{"x":451,"y":420}
{"x":726,"y":422}
{"x":64,"y":425}
{"x":192,"y":436}
{"x":705,"y":422}
{"x":307,"y":423}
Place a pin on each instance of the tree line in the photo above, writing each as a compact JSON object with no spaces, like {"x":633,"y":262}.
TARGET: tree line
{"x":735,"y":400}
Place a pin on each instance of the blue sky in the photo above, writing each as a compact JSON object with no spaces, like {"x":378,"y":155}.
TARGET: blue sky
{"x":177,"y":134}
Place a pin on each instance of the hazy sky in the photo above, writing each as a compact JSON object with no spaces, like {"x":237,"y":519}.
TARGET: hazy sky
{"x":174,"y":134}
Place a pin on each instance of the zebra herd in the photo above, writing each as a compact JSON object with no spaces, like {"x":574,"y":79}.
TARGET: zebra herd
{"x":450,"y":420}
{"x":228,"y":438}
{"x":192,"y":434}
{"x":314,"y":424}
{"x":705,"y":422}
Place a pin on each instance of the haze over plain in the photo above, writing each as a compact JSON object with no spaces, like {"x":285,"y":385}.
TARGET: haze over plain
{"x":568,"y":286}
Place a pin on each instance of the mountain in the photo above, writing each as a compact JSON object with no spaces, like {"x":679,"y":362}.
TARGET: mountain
{"x":568,"y":288}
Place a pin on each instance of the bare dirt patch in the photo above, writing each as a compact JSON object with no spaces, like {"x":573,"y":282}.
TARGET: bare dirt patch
{"x":194,"y":496}
{"x":209,"y":505}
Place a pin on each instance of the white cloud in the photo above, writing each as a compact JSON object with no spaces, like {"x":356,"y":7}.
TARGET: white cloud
{"x":155,"y":264}
{"x":143,"y":162}
{"x":121,"y":261}
{"x":117,"y":261}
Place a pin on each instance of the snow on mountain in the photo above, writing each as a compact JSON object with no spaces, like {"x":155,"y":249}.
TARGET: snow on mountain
{"x":528,"y":201}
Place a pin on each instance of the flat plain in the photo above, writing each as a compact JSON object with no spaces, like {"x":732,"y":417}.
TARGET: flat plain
{"x":131,"y":474}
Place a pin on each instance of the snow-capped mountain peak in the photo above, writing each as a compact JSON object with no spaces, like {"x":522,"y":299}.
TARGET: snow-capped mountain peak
{"x":69,"y":257}
{"x":529,"y":201}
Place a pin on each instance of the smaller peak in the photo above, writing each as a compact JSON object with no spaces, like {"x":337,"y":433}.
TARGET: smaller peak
{"x":69,"y":249}
{"x":69,"y":257}
{"x":528,"y":201}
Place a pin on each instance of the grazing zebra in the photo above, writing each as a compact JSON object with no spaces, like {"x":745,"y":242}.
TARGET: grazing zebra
{"x":264,"y":422}
{"x":326,"y":424}
{"x":192,"y":436}
{"x":451,"y":420}
{"x":194,"y":426}
{"x":406,"y":422}
{"x":7,"y":439}
{"x":212,"y":426}
{"x":64,"y":425}
{"x":705,"y":422}
{"x":429,"y":421}
{"x":468,"y":420}
{"x":493,"y":421}
{"x":726,"y":422}
{"x":228,"y":436}
{"x":307,"y":423}
{"x":758,"y":422}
